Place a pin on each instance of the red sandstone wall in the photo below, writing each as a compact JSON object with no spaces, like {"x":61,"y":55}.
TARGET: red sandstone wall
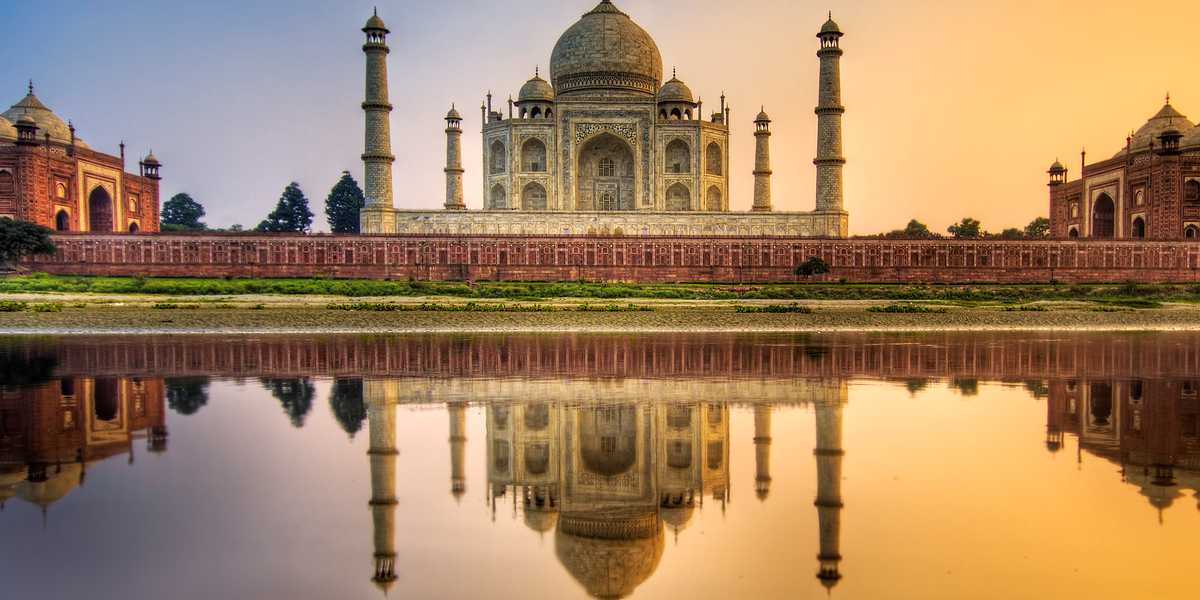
{"x":675,"y":259}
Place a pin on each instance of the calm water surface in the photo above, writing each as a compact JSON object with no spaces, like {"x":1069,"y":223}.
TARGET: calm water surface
{"x":872,"y":466}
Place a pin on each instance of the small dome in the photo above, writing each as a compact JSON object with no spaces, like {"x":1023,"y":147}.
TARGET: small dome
{"x":45,"y":119}
{"x":453,"y":114}
{"x":1057,"y":167}
{"x":605,"y":49}
{"x":676,"y":91}
{"x":1166,"y":119}
{"x":677,"y":517}
{"x":762,"y":117}
{"x":375,"y":24}
{"x":7,"y":131}
{"x":536,"y":90}
{"x":59,"y":484}
{"x":541,"y":521}
{"x":151,"y":159}
{"x":830,"y":27}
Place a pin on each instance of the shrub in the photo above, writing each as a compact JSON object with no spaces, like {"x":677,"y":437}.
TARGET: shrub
{"x":906,"y":309}
{"x":815,"y":265}
{"x":776,"y":308}
{"x":11,"y":306}
{"x":47,"y":307}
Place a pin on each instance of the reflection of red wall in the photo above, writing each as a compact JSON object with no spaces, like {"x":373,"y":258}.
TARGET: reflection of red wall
{"x":527,"y":258}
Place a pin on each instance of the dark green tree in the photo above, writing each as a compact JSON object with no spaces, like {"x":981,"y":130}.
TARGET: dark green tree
{"x":915,"y":230}
{"x":296,"y":396}
{"x":1012,"y":233}
{"x":812,"y":267}
{"x":1038,"y":229}
{"x":967,"y":229}
{"x":182,"y":213}
{"x":291,"y":214}
{"x":346,"y":401}
{"x":915,"y":385}
{"x":187,"y":395}
{"x":965,"y":387}
{"x":26,"y":369}
{"x":343,"y":204}
{"x":19,"y":239}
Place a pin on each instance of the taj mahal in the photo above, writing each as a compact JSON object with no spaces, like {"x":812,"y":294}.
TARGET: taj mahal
{"x":604,"y":147}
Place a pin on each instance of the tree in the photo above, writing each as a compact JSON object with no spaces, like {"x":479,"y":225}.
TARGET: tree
{"x":813,"y":266}
{"x":967,"y":229}
{"x":182,"y":213}
{"x":187,"y":395}
{"x":1012,"y":233}
{"x":19,"y":239}
{"x":915,"y":230}
{"x":346,"y":401}
{"x":296,"y":396}
{"x":1038,"y":229}
{"x":291,"y":214}
{"x":343,"y":204}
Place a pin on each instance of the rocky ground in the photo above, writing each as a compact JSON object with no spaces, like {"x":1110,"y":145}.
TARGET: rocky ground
{"x":85,"y":313}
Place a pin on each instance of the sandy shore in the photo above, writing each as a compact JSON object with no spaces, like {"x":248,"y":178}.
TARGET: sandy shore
{"x":94,"y":314}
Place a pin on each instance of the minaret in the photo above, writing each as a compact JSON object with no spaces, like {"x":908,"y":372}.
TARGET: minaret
{"x":829,"y":159}
{"x":377,"y":156}
{"x":829,"y":489}
{"x":762,"y":162}
{"x":454,"y":168}
{"x":762,"y":450}
{"x":458,"y":444}
{"x":381,"y":419}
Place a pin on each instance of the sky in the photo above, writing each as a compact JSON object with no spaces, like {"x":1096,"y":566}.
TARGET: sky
{"x":953,"y":109}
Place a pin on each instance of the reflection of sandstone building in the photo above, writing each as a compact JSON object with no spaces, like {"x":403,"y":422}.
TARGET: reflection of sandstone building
{"x":607,"y":478}
{"x":1149,"y":427}
{"x":1149,"y":190}
{"x":49,"y":176}
{"x":50,"y":433}
{"x":604,"y":147}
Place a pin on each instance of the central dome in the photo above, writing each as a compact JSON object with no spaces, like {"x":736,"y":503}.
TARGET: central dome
{"x":606,"y":50}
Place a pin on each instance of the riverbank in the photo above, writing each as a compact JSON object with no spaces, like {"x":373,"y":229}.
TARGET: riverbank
{"x":57,"y":313}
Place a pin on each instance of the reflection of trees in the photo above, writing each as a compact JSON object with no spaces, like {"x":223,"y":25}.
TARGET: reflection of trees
{"x":1038,"y":388}
{"x":916,"y":385}
{"x":186,"y":395}
{"x":19,"y":370}
{"x":296,"y":395}
{"x":346,"y":401}
{"x":966,"y":387}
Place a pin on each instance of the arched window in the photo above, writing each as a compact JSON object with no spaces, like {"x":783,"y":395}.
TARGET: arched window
{"x":133,"y":228}
{"x":7,"y":187}
{"x":499,"y":198}
{"x":499,"y":163}
{"x":679,"y":157}
{"x":1073,"y":233}
{"x":662,"y":114}
{"x":533,"y":156}
{"x":679,"y":199}
{"x":1191,"y":232}
{"x":1138,"y":231}
{"x":675,"y":114}
{"x":62,"y":221}
{"x":60,"y":191}
{"x":1104,"y":217}
{"x":536,"y":113}
{"x":607,"y":167}
{"x":712,"y":200}
{"x":533,"y":197}
{"x":549,"y":113}
{"x":1191,"y":192}
{"x":713,"y":160}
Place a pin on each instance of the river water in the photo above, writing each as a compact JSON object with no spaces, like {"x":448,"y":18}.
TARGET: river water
{"x":989,"y":465}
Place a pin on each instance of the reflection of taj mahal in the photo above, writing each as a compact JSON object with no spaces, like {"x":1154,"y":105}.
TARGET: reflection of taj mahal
{"x":606,"y":146}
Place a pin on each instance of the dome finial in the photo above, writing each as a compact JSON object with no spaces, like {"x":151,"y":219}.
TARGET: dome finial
{"x":30,"y":87}
{"x":673,"y":73}
{"x":1168,"y":98}
{"x":537,"y":70}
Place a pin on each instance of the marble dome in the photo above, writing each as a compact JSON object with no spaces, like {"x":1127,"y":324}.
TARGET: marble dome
{"x":676,"y":91}
{"x":609,"y":568}
{"x":536,"y":90}
{"x":1167,"y":118}
{"x":605,"y":49}
{"x":46,"y":120}
{"x":8,"y":132}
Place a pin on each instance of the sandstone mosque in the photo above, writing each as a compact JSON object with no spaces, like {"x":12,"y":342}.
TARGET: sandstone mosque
{"x":605,"y":147}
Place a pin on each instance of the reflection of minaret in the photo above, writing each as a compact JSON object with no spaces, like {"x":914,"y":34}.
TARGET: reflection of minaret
{"x":458,"y":443}
{"x":829,"y":489}
{"x":762,"y":450}
{"x":381,"y":418}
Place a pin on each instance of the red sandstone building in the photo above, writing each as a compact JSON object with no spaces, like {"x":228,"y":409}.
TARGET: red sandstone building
{"x":49,"y":176}
{"x":1149,"y":190}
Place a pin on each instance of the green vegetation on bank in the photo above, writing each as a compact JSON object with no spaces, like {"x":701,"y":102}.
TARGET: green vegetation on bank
{"x":1124,"y":295}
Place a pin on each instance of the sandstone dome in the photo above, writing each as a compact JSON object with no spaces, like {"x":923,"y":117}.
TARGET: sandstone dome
{"x":1166,"y":119}
{"x":1191,"y":138}
{"x":605,"y":49}
{"x":8,"y":133}
{"x":46,"y":120}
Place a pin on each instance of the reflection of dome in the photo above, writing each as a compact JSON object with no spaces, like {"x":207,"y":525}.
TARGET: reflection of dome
{"x":8,"y":133}
{"x":46,"y":120}
{"x":9,"y":480}
{"x":58,"y":484}
{"x":609,"y":568}
{"x":605,"y":49}
{"x":677,"y":518}
{"x":541,"y":521}
{"x":608,"y":439}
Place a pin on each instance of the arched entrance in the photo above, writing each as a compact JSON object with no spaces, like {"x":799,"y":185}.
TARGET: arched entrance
{"x":1138,"y":231}
{"x":679,"y":199}
{"x":533,"y":197}
{"x":100,"y":211}
{"x":1104,"y":218}
{"x":712,"y":202}
{"x":62,"y":221}
{"x":133,"y":228}
{"x":499,"y":198}
{"x":605,"y":175}
{"x":1191,"y":232}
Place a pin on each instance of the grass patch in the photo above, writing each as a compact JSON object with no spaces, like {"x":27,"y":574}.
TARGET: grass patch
{"x":1025,"y":308}
{"x":1142,"y":303}
{"x":776,"y":309}
{"x":47,"y":307}
{"x":11,"y":306}
{"x":906,"y":309}
{"x":174,"y":306}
